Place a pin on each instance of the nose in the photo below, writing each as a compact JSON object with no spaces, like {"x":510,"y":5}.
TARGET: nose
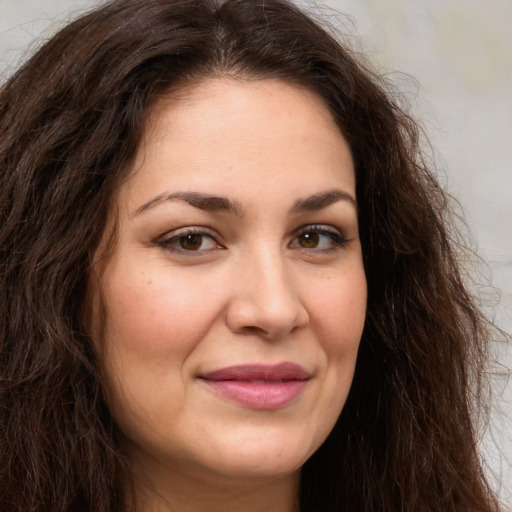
{"x":265,"y":300}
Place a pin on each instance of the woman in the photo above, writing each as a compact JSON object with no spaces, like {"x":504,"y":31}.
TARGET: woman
{"x":227,"y":278}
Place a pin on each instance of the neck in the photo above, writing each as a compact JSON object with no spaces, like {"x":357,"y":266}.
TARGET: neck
{"x":165,"y":491}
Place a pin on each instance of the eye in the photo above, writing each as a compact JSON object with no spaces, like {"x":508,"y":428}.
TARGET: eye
{"x":188,"y":240}
{"x":322,"y":238}
{"x":192,"y":241}
{"x":309,"y":239}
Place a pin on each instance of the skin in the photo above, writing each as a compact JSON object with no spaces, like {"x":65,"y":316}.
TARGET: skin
{"x":191,"y":288}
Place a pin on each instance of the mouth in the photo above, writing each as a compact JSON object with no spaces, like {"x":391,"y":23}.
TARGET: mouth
{"x":259,"y":386}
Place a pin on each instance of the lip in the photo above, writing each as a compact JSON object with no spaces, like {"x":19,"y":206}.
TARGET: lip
{"x":259,"y":386}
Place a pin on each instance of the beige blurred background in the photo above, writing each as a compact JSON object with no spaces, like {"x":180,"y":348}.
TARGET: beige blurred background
{"x":453,"y":59}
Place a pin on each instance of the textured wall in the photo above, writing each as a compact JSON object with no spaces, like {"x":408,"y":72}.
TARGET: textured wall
{"x":459,"y":51}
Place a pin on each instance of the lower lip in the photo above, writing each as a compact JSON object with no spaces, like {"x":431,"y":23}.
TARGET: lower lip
{"x":258,"y":395}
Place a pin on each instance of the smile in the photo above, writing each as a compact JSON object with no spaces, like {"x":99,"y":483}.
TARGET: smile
{"x":259,"y":386}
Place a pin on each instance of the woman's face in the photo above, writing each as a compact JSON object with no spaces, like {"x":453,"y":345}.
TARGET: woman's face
{"x":236,"y":294}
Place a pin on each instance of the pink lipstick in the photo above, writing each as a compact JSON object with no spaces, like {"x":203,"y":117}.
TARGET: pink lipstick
{"x":259,"y":386}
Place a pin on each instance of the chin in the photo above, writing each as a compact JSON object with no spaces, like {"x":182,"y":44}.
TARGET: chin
{"x":263,"y":455}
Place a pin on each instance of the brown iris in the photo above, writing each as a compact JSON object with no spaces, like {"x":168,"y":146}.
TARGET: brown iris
{"x":191,"y":242}
{"x":309,"y":240}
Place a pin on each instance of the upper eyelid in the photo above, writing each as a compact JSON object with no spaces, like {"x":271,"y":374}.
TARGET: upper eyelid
{"x":317,"y":226}
{"x":205,"y":230}
{"x":167,"y":239}
{"x":215,"y":235}
{"x":336,"y":234}
{"x":328,"y":228}
{"x":171,"y":238}
{"x":176,"y":233}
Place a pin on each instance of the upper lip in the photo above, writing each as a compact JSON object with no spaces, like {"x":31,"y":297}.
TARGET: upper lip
{"x":261,"y":372}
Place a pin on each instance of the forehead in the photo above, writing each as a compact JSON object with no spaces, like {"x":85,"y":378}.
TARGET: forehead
{"x":221,"y":131}
{"x":230,"y":94}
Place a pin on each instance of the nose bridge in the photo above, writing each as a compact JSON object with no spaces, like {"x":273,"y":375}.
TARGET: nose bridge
{"x":272,"y":286}
{"x":266,"y":298}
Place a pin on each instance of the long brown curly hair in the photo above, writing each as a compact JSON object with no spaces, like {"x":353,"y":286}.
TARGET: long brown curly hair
{"x":70,"y":123}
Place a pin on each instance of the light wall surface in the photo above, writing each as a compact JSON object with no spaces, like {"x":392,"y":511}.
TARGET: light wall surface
{"x":453,"y":59}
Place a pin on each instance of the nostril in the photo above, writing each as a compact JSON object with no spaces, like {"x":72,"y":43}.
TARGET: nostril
{"x":245,"y":317}
{"x":266,"y":302}
{"x":253,"y":330}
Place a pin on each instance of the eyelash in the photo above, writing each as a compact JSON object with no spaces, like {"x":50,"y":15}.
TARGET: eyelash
{"x":170,"y":243}
{"x":337,"y":240}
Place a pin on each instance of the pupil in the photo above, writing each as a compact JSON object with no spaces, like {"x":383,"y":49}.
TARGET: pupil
{"x":309,"y":240}
{"x":191,"y":242}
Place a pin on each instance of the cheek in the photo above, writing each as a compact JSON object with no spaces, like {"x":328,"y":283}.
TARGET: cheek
{"x":152,"y":325}
{"x":337,"y":314}
{"x":154,"y":313}
{"x":339,"y":309}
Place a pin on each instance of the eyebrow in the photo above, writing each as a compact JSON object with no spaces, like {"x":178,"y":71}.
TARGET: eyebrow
{"x":196,"y":199}
{"x":322,"y":200}
{"x":218,"y":203}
